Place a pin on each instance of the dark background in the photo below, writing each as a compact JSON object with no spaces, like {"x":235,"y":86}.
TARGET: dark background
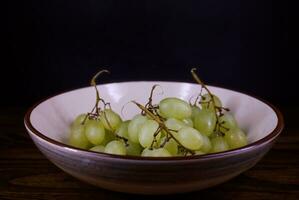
{"x":56,"y":45}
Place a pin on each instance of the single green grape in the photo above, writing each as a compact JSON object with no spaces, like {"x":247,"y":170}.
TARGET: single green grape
{"x":146,"y":133}
{"x":207,"y":145}
{"x":205,"y":121}
{"x":160,"y":152}
{"x":174,"y":124}
{"x":175,"y":108}
{"x":190,"y":138}
{"x":77,"y":137}
{"x":133,"y":149}
{"x":122,"y":130}
{"x":228,"y":121}
{"x":79,"y":119}
{"x":188,"y":122}
{"x":199,"y":153}
{"x":134,"y":127}
{"x":195,"y":110}
{"x":116,"y":147}
{"x":219,"y":144}
{"x":235,"y":138}
{"x":110,"y":119}
{"x":99,"y":148}
{"x":206,"y":101}
{"x":94,"y":131}
{"x":171,"y":146}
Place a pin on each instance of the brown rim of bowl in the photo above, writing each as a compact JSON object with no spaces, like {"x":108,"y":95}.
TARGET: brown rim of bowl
{"x":278,"y":129}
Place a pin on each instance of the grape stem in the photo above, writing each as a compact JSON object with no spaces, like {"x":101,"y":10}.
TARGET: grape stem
{"x":197,"y":79}
{"x":96,"y":110}
{"x":98,"y":99}
{"x":167,"y":138}
{"x":161,"y":124}
{"x":93,"y":83}
{"x":155,"y":135}
{"x":149,"y":106}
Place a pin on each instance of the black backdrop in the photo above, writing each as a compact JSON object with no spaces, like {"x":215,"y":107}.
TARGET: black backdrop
{"x":58,"y":45}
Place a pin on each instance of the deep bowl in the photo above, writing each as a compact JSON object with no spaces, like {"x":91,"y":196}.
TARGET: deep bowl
{"x":47,"y":124}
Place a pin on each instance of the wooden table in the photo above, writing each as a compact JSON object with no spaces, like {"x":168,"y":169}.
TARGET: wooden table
{"x":26,"y":174}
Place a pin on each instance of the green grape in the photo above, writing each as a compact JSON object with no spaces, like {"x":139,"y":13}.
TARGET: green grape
{"x":206,"y":98}
{"x":79,"y":119}
{"x":207,"y":146}
{"x":171,"y":146}
{"x":188,"y":122}
{"x":110,"y":119}
{"x":199,"y":153}
{"x":94,"y":131}
{"x":134,"y":127}
{"x":99,"y":148}
{"x":235,"y":138}
{"x":133,"y":149}
{"x":190,"y":138}
{"x":205,"y":121}
{"x":109,"y":136}
{"x":195,"y":110}
{"x":78,"y":138}
{"x":116,"y":147}
{"x":174,"y":124}
{"x":161,"y":152}
{"x":123,"y":129}
{"x":219,"y":144}
{"x":228,"y":121}
{"x":146,"y":133}
{"x":175,"y":108}
{"x":162,"y":134}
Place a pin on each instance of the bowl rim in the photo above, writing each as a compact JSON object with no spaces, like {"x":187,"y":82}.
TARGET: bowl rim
{"x":270,"y":137}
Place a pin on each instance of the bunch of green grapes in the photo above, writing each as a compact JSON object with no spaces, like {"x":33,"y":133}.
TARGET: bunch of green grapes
{"x":173,"y":127}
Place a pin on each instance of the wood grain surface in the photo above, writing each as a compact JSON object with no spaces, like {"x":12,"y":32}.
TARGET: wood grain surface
{"x":26,"y":174}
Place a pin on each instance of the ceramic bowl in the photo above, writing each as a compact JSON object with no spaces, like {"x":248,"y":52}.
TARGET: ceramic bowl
{"x":48,"y":121}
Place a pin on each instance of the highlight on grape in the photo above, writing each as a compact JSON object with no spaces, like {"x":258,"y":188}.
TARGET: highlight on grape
{"x":171,"y":127}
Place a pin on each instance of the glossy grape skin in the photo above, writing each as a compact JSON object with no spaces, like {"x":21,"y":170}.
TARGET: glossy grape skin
{"x":116,"y":147}
{"x":207,"y":145}
{"x":110,"y":119}
{"x":174,"y":108}
{"x":99,"y":148}
{"x":195,"y":110}
{"x":146,"y":133}
{"x":134,"y":149}
{"x":228,"y":121}
{"x":94,"y":131}
{"x":199,"y":153}
{"x":219,"y":144}
{"x":134,"y":127}
{"x":79,"y":119}
{"x":205,"y":122}
{"x":174,"y":124}
{"x":188,"y":122}
{"x":160,"y":152}
{"x":207,"y":98}
{"x":77,"y":137}
{"x":171,"y":146}
{"x":235,"y":138}
{"x":190,"y":138}
{"x":122,"y":130}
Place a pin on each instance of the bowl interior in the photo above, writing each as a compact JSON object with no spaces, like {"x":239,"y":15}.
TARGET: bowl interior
{"x":53,"y":116}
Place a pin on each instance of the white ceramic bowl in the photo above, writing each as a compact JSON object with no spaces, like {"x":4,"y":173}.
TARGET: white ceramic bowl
{"x":48,"y":122}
